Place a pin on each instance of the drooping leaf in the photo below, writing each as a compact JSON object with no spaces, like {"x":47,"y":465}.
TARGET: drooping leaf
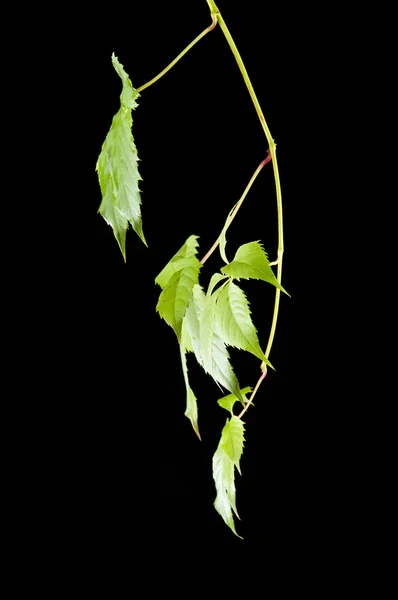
{"x":224,"y":479}
{"x":251,"y":262}
{"x":233,"y":322}
{"x":228,"y":402}
{"x":117,"y":168}
{"x":232,"y":439}
{"x":179,"y":261}
{"x":175,"y":297}
{"x":223,"y":239}
{"x":192,"y":407}
{"x":192,"y":319}
{"x":213,"y":351}
{"x":185,"y":337}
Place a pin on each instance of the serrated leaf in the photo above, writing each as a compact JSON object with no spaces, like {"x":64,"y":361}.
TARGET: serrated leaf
{"x":224,"y":479}
{"x":213,"y":351}
{"x":192,"y":319}
{"x":117,"y":168}
{"x":228,"y":402}
{"x":179,"y":261}
{"x":192,"y":407}
{"x":185,"y":337}
{"x":175,"y":297}
{"x":233,"y":322}
{"x":223,"y":239}
{"x":251,"y":262}
{"x":232,"y":439}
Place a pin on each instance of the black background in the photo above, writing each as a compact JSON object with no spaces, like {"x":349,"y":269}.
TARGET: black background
{"x":105,"y":486}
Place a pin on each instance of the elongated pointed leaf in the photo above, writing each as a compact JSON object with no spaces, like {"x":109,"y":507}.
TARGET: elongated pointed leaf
{"x":232,"y":439}
{"x":192,"y":407}
{"x":179,"y":261}
{"x":174,"y":299}
{"x":233,"y":322}
{"x":223,"y":239}
{"x":228,"y":402}
{"x":117,"y":168}
{"x":251,"y":262}
{"x":215,"y":357}
{"x":192,"y":320}
{"x":224,"y":479}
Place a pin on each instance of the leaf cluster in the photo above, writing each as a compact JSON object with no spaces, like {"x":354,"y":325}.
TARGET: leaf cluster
{"x":206,"y":323}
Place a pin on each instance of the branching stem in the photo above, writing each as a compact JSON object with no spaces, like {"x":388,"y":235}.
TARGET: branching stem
{"x":171,"y":65}
{"x":237,"y":207}
{"x":272,"y":149}
{"x":262,"y":377}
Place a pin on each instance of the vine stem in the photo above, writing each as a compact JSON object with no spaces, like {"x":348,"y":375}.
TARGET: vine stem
{"x":171,"y":65}
{"x":272,"y":149}
{"x":261,"y":378}
{"x":237,"y":207}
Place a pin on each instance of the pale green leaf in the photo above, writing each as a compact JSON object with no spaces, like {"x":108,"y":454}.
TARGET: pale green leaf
{"x":251,"y":262}
{"x":223,"y":239}
{"x":216,"y":278}
{"x":179,"y":261}
{"x":192,"y":320}
{"x":185,"y":337}
{"x":224,"y":479}
{"x":117,"y":168}
{"x":233,"y":322}
{"x":228,"y":402}
{"x":175,"y":297}
{"x":232,"y":439}
{"x":192,"y":407}
{"x":213,"y":351}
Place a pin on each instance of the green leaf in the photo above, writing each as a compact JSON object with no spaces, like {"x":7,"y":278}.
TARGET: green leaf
{"x":216,"y":278}
{"x":232,"y":439}
{"x":175,"y":297}
{"x":185,"y":337}
{"x":224,"y":479}
{"x":233,"y":321}
{"x":213,"y":351}
{"x":192,"y":320}
{"x":192,"y":407}
{"x":117,"y":168}
{"x":179,"y":261}
{"x":251,"y":262}
{"x":228,"y":402}
{"x":223,"y":239}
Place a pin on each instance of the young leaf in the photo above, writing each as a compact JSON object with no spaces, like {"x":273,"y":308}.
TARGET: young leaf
{"x":117,"y":168}
{"x":192,"y":408}
{"x":224,"y":479}
{"x":216,"y":278}
{"x":233,"y":322}
{"x":228,"y":402}
{"x":232,"y":439}
{"x":251,"y":262}
{"x":223,"y":239}
{"x":213,"y":351}
{"x":174,"y":299}
{"x":179,"y":261}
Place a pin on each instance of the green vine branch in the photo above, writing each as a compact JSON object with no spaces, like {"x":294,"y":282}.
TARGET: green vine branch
{"x":237,"y":207}
{"x":272,"y":149}
{"x":180,"y":56}
{"x":205,"y":323}
{"x":254,"y":392}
